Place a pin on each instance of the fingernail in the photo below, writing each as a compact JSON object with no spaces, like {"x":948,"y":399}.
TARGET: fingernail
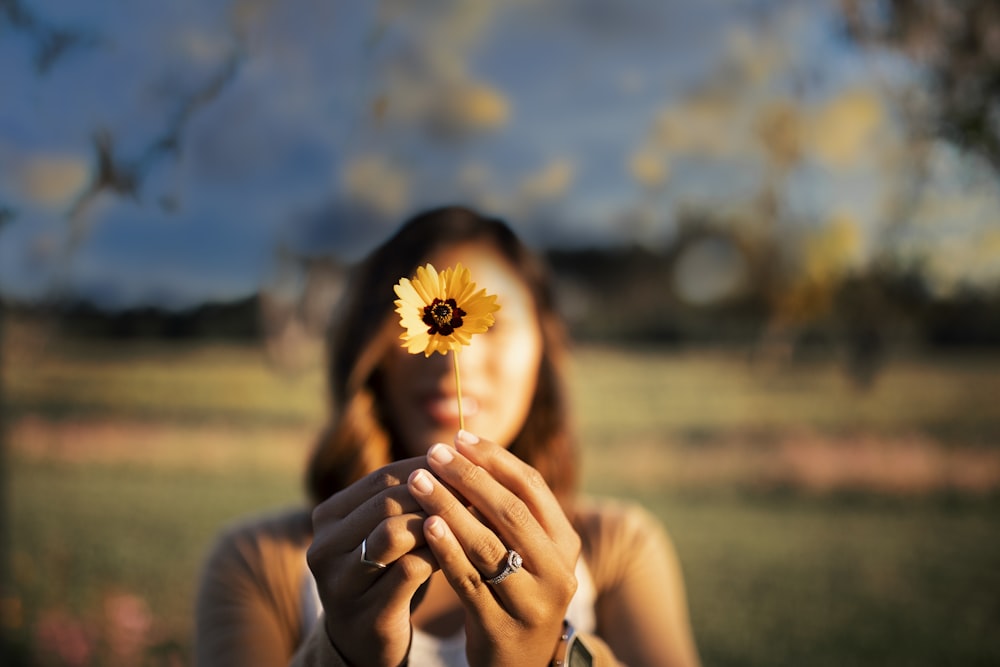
{"x":421,"y":482}
{"x":435,"y":526}
{"x":463,"y":437}
{"x":441,"y":453}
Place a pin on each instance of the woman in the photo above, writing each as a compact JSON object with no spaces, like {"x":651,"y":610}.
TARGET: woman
{"x":424,"y":553}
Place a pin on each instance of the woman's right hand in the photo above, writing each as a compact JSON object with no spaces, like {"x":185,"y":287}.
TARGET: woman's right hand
{"x":368,"y":608}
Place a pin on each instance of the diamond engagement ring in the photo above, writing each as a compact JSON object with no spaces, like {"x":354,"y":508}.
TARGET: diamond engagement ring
{"x":364,"y":557}
{"x":513,"y":564}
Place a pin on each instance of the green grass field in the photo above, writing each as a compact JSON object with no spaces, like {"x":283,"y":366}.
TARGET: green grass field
{"x":817,"y":525}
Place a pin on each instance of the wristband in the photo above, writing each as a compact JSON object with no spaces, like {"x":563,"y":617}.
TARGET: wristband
{"x":571,"y":652}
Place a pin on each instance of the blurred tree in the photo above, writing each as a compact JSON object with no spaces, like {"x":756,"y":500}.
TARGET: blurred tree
{"x":51,"y":42}
{"x":958,"y":41}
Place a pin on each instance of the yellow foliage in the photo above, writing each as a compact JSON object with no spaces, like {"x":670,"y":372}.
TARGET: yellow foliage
{"x":378,"y":182}
{"x":648,"y":169}
{"x":779,"y":128}
{"x":470,"y":107}
{"x":826,"y":258}
{"x":842,"y":131}
{"x":551,"y":182}
{"x":700,"y":125}
{"x":53,"y":180}
{"x":834,"y":250}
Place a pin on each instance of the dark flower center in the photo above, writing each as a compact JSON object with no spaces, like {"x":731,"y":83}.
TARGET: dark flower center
{"x":443,"y":317}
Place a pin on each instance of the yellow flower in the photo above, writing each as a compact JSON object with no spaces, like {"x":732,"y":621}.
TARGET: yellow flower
{"x":442,"y":311}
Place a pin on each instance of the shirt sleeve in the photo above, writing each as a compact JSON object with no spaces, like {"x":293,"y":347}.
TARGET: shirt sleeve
{"x":245,"y":612}
{"x":641,"y":607}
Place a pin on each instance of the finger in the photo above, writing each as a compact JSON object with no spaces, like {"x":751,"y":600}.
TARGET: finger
{"x":345,"y":501}
{"x":390,"y":544}
{"x":475,"y":552}
{"x":392,"y":502}
{"x":394,"y":537}
{"x":334,"y":537}
{"x":507,"y":514}
{"x":401,"y":581}
{"x":480,"y":544}
{"x":524,"y":481}
{"x":462,"y":575}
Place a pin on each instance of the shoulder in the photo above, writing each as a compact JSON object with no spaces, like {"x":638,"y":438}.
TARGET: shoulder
{"x":265,"y":539}
{"x":289,"y":527}
{"x":603,"y":518}
{"x":614,"y":533}
{"x":250,"y":590}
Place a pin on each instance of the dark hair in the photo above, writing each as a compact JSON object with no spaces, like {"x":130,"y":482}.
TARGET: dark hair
{"x":357,"y":440}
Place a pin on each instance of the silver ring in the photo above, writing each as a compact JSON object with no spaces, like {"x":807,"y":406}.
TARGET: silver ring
{"x":364,"y":557}
{"x":513,"y":564}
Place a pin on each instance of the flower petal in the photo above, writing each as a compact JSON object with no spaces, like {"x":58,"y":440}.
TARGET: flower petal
{"x":416,"y":343}
{"x":426,"y":283}
{"x":406,"y":291}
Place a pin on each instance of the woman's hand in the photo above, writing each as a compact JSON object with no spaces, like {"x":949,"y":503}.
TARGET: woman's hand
{"x":485,"y":501}
{"x":368,"y":607}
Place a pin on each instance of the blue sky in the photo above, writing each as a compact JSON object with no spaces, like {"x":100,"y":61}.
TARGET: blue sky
{"x":338,"y":119}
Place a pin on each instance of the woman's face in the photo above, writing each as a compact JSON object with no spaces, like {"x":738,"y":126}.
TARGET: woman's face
{"x":499,"y":369}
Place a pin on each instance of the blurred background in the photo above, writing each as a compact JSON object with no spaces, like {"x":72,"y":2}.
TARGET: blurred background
{"x":774,"y":225}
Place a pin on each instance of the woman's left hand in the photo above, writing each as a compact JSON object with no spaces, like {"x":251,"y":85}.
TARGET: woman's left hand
{"x":484,"y":501}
